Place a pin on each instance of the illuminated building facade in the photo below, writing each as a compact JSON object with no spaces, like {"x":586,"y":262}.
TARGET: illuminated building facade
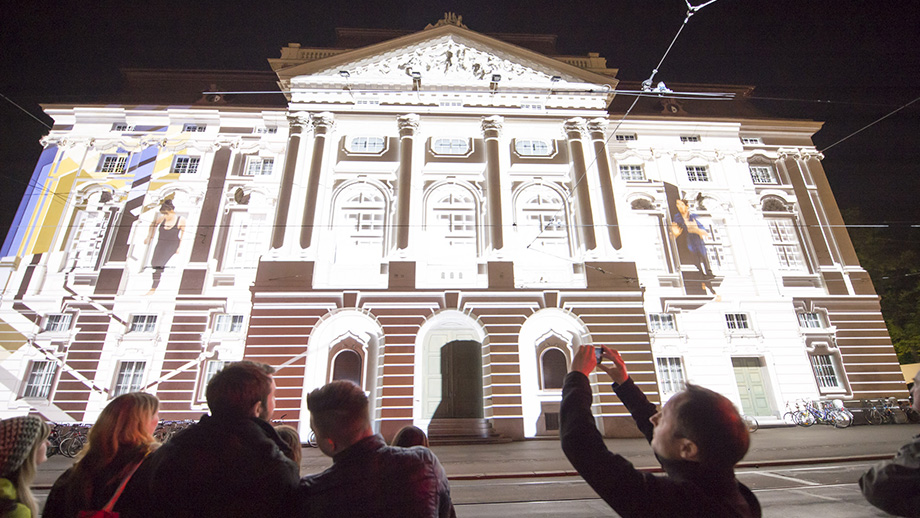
{"x":442,"y":217}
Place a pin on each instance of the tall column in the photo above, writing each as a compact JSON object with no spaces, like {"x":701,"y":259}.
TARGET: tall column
{"x":408,"y":125}
{"x":574,"y":131}
{"x":598,"y":129}
{"x":298,"y":123}
{"x":491,"y":130}
{"x":322,"y":126}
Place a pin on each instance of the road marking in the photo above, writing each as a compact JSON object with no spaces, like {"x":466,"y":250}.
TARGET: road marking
{"x":791,"y":479}
{"x":822,"y":486}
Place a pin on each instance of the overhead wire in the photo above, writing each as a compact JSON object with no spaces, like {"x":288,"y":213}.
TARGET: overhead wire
{"x":873,"y":123}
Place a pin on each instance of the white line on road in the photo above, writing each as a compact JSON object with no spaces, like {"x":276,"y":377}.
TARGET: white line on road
{"x":791,"y":479}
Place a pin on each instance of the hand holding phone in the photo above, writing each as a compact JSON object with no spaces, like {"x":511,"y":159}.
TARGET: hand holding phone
{"x":599,"y":354}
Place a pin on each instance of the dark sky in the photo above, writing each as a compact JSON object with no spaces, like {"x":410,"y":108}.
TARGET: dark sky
{"x":860,"y":55}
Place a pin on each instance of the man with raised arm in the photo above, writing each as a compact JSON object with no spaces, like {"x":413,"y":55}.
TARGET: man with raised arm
{"x":894,"y":485}
{"x":698,"y":438}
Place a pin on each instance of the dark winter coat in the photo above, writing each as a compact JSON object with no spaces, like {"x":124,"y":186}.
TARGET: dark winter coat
{"x":372,"y":480}
{"x":894,"y":485}
{"x":218,"y":467}
{"x":688,"y":490}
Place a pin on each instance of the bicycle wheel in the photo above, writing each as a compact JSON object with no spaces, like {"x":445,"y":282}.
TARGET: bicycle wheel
{"x":65,"y":447}
{"x":805,"y":419}
{"x":912,"y":415}
{"x":73,"y":447}
{"x":874,"y":417}
{"x":751,"y":423}
{"x":311,"y":440}
{"x":841,"y":419}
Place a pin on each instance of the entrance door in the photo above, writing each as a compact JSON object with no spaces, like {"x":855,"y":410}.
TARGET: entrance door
{"x":752,"y":386}
{"x":461,"y":380}
{"x":432,"y":389}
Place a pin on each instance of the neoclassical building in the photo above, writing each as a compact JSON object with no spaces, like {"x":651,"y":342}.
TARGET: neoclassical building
{"x":442,"y":217}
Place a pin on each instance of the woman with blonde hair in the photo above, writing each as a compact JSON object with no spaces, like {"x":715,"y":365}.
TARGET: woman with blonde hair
{"x":23,"y":446}
{"x":118,"y":442}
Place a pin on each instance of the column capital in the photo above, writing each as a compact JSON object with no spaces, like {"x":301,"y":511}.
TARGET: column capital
{"x":493,"y":123}
{"x":574,"y":128}
{"x":598,"y":125}
{"x":408,"y":124}
{"x":323,"y":122}
{"x":300,"y":120}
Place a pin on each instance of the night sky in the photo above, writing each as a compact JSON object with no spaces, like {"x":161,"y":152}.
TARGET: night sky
{"x":860,"y":55}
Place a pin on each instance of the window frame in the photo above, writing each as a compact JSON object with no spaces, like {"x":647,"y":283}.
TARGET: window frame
{"x":628,"y":170}
{"x":235,"y":325}
{"x":738,"y":322}
{"x":46,"y":325}
{"x":193,"y":127}
{"x":143,"y":323}
{"x":697,"y":173}
{"x":189,"y":164}
{"x":39,"y":383}
{"x":690,"y":139}
{"x":208,"y":369}
{"x":366,"y":148}
{"x":452,"y":141}
{"x":665,"y":370}
{"x":626,"y":137}
{"x":830,"y":366}
{"x":787,"y":243}
{"x":548,"y":151}
{"x":261,"y":161}
{"x":810,"y":320}
{"x":656,"y":323}
{"x":120,"y":165}
{"x":565,"y":367}
{"x":136,"y":382}
{"x":758,"y":178}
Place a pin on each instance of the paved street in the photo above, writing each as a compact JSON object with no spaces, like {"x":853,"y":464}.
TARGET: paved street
{"x":795,"y":472}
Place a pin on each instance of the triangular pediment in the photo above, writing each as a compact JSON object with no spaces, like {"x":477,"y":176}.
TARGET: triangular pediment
{"x":447,"y":55}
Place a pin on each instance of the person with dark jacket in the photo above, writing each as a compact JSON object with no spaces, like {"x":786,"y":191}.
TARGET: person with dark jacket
{"x":698,"y":438}
{"x":367,"y":478}
{"x":894,"y":485}
{"x":230,"y":464}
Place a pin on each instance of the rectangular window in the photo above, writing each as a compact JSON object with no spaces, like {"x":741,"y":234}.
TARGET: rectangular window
{"x":193,"y":128}
{"x":533,"y":147}
{"x":247,"y":239}
{"x":366,"y":145}
{"x":226,"y":323}
{"x":689,"y":138}
{"x":266,"y":130}
{"x":532,"y":107}
{"x":143,"y":323}
{"x":130,"y":378}
{"x":450,"y":103}
{"x":751,"y":141}
{"x":88,"y":238}
{"x":762,"y":174}
{"x":58,"y":322}
{"x":38,"y":382}
{"x":717,"y":247}
{"x":671,"y":375}
{"x":186,"y":164}
{"x":625,"y":137}
{"x":698,"y":173}
{"x":810,"y":320}
{"x":825,"y":371}
{"x":632,"y":173}
{"x":113,"y":164}
{"x":209,"y":369}
{"x":259,"y":166}
{"x":450,"y":146}
{"x":661,"y":322}
{"x":120,"y":126}
{"x":786,"y":243}
{"x":367,"y":102}
{"x":737,"y":321}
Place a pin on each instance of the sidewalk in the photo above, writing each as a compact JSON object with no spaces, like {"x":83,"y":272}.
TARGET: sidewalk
{"x":544,"y":457}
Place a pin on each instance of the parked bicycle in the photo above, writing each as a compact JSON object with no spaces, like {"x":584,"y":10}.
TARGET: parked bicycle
{"x":829,"y":414}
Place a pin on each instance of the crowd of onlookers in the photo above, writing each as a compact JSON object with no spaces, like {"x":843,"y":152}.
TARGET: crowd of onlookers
{"x":233,"y":463}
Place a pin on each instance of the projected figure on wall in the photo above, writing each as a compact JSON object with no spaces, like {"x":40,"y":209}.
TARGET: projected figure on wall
{"x":171,"y":229}
{"x":694,"y":232}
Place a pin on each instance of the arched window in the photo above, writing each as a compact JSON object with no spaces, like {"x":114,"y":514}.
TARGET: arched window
{"x":541,"y":211}
{"x":359,"y":220}
{"x":347,"y":366}
{"x":553,"y":367}
{"x":451,"y":221}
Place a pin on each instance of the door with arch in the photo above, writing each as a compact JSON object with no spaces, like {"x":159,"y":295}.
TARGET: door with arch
{"x":452,"y":377}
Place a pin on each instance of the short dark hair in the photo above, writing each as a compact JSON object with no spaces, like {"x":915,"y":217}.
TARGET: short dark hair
{"x":713,"y":423}
{"x":339,"y":410}
{"x":234,"y":390}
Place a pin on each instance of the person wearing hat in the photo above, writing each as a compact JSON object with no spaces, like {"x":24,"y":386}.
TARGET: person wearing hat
{"x":23,"y":446}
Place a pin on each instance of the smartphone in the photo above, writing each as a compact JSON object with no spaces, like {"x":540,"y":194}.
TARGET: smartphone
{"x":599,"y":354}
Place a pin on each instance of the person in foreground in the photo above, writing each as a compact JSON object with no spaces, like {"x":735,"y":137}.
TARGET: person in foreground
{"x":894,"y":486}
{"x":230,"y":464}
{"x":23,"y":446}
{"x":367,"y":477}
{"x":118,"y":442}
{"x":698,"y":438}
